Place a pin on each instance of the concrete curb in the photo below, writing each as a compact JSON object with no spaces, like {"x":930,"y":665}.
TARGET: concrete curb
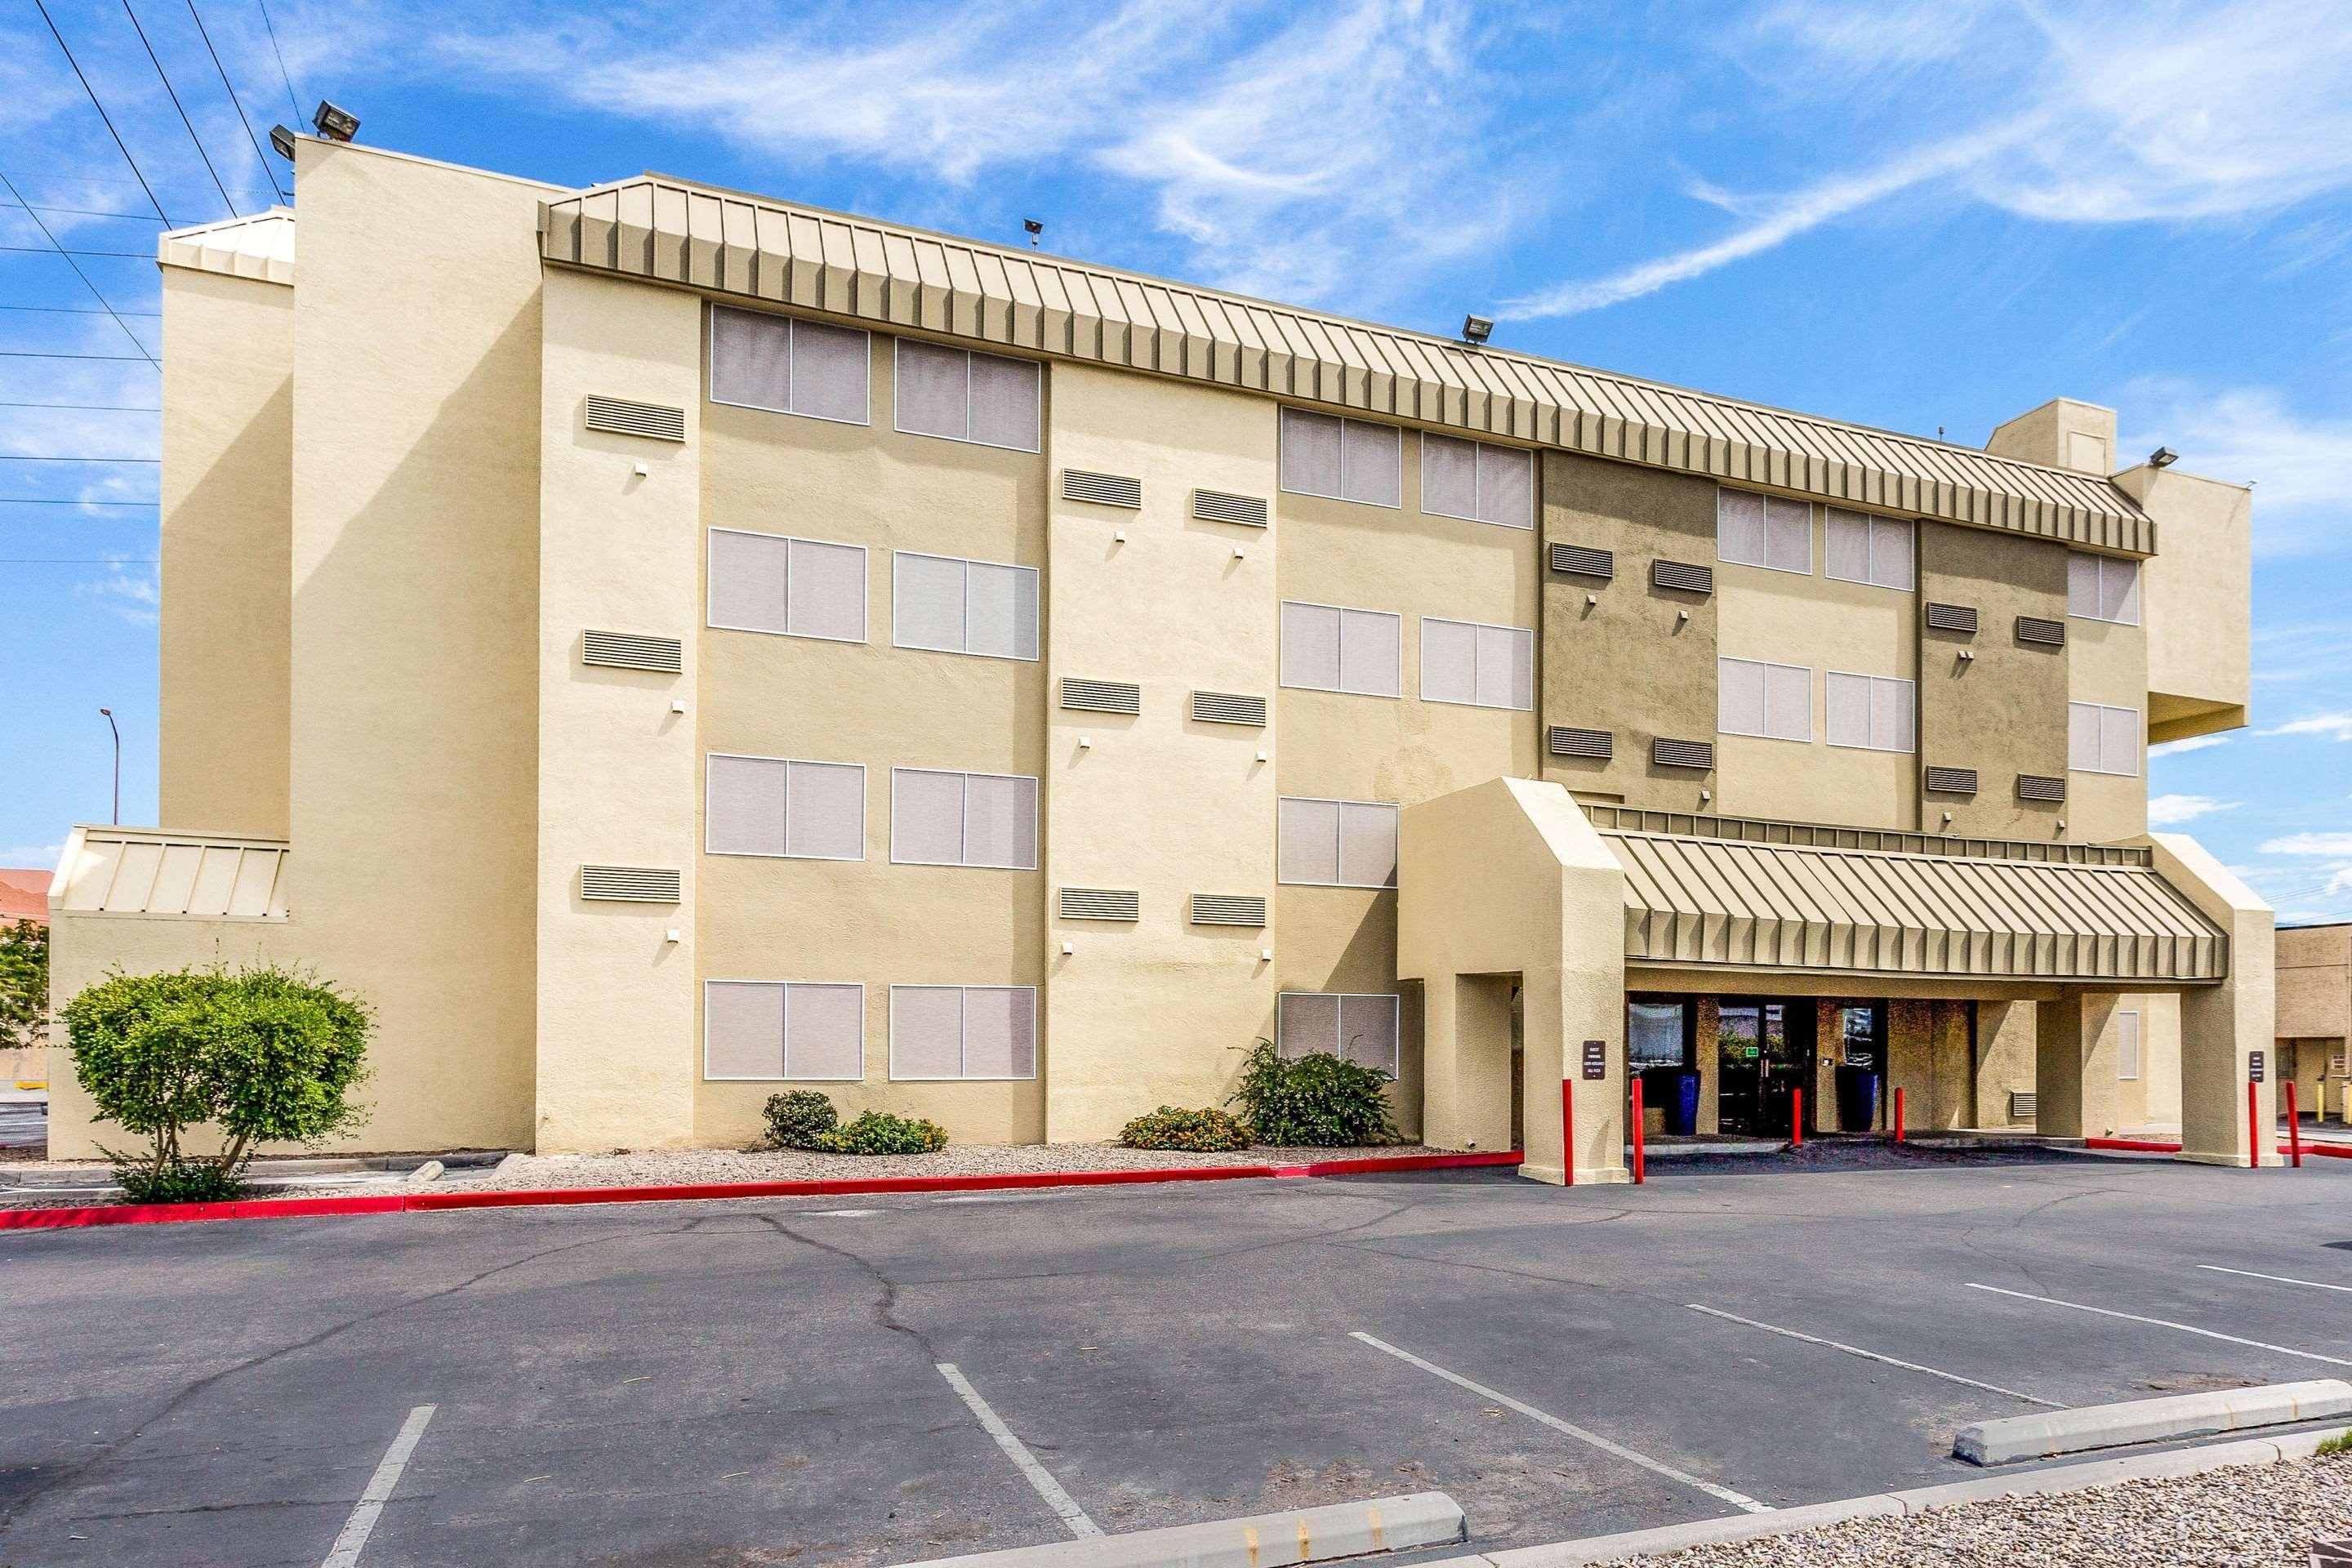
{"x":2014,"y":1437}
{"x":1596,"y":1549}
{"x":1260,"y":1540}
{"x":399,"y":1203}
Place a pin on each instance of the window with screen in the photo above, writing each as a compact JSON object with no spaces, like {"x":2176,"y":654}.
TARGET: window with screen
{"x":789,"y":366}
{"x":1657,"y":1034}
{"x":784,"y":1029}
{"x":1771,"y":531}
{"x":940,"y":818}
{"x":1485,"y":667}
{"x":963,"y":1032}
{"x":1356,"y":1027}
{"x":2127,"y":1045}
{"x":1772,"y":700}
{"x":1872,"y":712}
{"x":790,"y":587}
{"x":1335,"y":843}
{"x":985,"y":400}
{"x":780,"y":807}
{"x":1345,"y":460}
{"x":945,"y":604}
{"x":2102,"y":588}
{"x":2102,"y":740}
{"x":1472,"y":480}
{"x":1860,"y":548}
{"x":1331,"y":647}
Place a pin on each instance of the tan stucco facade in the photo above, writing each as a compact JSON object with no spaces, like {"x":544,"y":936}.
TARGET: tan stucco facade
{"x":390,"y":527}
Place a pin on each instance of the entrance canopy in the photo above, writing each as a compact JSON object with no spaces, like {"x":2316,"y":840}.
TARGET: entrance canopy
{"x":1729,"y":890}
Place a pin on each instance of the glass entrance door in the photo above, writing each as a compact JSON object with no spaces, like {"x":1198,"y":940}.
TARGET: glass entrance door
{"x":1762,"y":1055}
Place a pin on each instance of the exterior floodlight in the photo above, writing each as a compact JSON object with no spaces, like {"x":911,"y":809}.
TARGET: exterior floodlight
{"x":335,"y":124}
{"x":2163,"y":458}
{"x":1477,"y":329}
{"x":1032,"y":227}
{"x":281,"y":142}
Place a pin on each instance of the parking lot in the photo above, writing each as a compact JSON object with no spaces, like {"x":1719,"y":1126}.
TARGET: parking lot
{"x":881,"y":1381}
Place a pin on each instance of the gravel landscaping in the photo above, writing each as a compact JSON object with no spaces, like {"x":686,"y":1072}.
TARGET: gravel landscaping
{"x":2249,"y":1516}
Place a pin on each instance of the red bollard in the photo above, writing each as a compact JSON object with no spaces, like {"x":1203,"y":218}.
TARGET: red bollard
{"x":2254,"y":1126}
{"x":1796,"y":1119}
{"x":2293,"y":1128}
{"x":1567,"y":1132}
{"x":1637,"y":1131}
{"x":1898,"y":1114}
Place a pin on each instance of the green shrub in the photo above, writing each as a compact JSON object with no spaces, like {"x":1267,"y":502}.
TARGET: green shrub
{"x":1207,"y":1132}
{"x":2340,"y":1444}
{"x":1317,"y":1101}
{"x":268,"y":1055}
{"x":880,"y":1132}
{"x":799,"y":1119}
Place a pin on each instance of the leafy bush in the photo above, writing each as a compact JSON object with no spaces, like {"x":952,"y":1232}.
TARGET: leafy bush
{"x":2340,"y":1444}
{"x":1318,"y":1100}
{"x":799,"y":1119}
{"x":1207,"y":1132}
{"x":23,"y":984}
{"x":880,"y":1132}
{"x":269,"y":1055}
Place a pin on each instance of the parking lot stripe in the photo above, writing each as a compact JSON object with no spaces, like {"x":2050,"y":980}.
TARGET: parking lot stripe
{"x":1736,"y":1499}
{"x":1873,"y":1355}
{"x":1060,"y":1502}
{"x":357,"y":1529}
{"x":2274,"y":1278}
{"x":2165,"y":1324}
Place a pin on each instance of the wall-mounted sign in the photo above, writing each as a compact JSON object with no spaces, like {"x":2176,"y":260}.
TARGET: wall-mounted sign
{"x":1596,"y":1058}
{"x":2254,"y":1066}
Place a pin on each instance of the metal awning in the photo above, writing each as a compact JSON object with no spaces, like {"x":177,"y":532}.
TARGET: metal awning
{"x":1844,"y":899}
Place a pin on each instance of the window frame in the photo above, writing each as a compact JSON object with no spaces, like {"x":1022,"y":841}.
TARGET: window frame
{"x":1766,"y":564}
{"x":963,"y":1022}
{"x":2139,"y":739}
{"x":1396,"y":1034}
{"x":703,"y":1002}
{"x":1479,"y":448}
{"x":863,"y":810}
{"x":1344,"y":610}
{"x":792,"y":364}
{"x":1395,"y":809}
{"x":1805,"y":739}
{"x":2101,"y":563}
{"x":1036,"y":626}
{"x":1912,"y":708}
{"x":2138,"y":1044}
{"x":866,"y":585}
{"x":899,"y":340}
{"x":964,"y":821}
{"x":1687,"y":1014}
{"x":1876,"y":521}
{"x":1422,"y":693}
{"x":1282,"y":442}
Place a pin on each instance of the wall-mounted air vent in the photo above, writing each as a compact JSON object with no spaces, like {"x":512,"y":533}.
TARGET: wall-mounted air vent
{"x":1228,"y":909}
{"x":1217,"y":506}
{"x":630,"y":884}
{"x":1228,"y":708}
{"x":2040,"y":786}
{"x":2048,"y":633}
{"x":1583,"y":561}
{"x":626,"y":650}
{"x":2022,"y":1105}
{"x":1952,"y":617}
{"x":1102,"y":490}
{"x":1565,"y":742}
{"x":1952,"y":780}
{"x":618,"y":416}
{"x":1666,"y":754}
{"x":1101,"y":696}
{"x":1682,"y":576}
{"x":1101,"y":904}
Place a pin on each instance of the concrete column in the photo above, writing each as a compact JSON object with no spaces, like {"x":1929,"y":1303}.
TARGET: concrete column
{"x":2221,"y":1025}
{"x":2004,"y":1059}
{"x":1466,"y":1062}
{"x":1821,"y":1098}
{"x":1710,"y":1065}
{"x":2074,"y":1065}
{"x":1564,"y":1009}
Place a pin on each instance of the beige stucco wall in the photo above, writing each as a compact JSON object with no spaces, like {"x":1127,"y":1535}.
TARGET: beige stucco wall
{"x":2196,"y":601}
{"x":2063,"y":433}
{"x":2003,"y":712}
{"x":2107,"y":662}
{"x":2314,"y":982}
{"x":2221,"y":1023}
{"x":227,"y":425}
{"x":868,"y":921}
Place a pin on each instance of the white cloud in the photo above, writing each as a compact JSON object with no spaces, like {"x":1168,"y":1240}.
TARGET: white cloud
{"x":2194,"y":743}
{"x":2170,"y":810}
{"x":2243,"y":434}
{"x":2326,"y":844}
{"x":2333,"y":726}
{"x":22,"y":856}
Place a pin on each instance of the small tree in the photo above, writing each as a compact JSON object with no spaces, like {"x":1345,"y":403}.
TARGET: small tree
{"x":267,"y":1054}
{"x":23,"y":984}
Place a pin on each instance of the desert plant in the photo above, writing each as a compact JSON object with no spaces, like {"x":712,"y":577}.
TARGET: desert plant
{"x":1317,"y":1101}
{"x":799,"y":1119}
{"x":268,"y":1055}
{"x":880,"y":1132}
{"x":2330,"y":1447}
{"x":1205,"y":1132}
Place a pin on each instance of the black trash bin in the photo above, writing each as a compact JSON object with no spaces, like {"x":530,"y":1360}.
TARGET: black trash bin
{"x":1857,"y":1099}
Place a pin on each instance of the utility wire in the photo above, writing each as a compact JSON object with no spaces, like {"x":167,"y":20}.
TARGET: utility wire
{"x":35,"y":353}
{"x":75,"y":560}
{"x":291,"y":99}
{"x":234,"y":103}
{"x":80,"y":212}
{"x":45,"y":249}
{"x":94,"y":103}
{"x":92,"y":407}
{"x":30,"y":457}
{"x":86,"y":283}
{"x":174,"y":95}
{"x":47,"y":500}
{"x":79,"y":311}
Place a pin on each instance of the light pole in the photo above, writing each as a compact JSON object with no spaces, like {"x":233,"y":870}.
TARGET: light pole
{"x":108,"y":713}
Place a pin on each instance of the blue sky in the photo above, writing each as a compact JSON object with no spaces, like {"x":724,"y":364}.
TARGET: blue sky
{"x":1926,"y":217}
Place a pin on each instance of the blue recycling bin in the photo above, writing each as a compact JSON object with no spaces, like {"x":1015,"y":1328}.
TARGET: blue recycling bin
{"x":1682,"y":1112}
{"x":1857,"y":1099}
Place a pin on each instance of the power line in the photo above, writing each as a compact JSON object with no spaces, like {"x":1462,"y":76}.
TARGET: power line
{"x":94,"y":103}
{"x":80,"y":212}
{"x":266,"y":172}
{"x":61,"y":250}
{"x":170,"y":92}
{"x":78,"y":271}
{"x":76,"y":561}
{"x":79,"y":311}
{"x":292,"y":101}
{"x":49,"y":500}
{"x":127,"y":359}
{"x":91,"y":407}
{"x":30,"y":457}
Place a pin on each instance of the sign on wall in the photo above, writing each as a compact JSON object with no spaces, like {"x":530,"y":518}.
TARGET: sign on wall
{"x":2254,"y":1066}
{"x":1596,"y":1058}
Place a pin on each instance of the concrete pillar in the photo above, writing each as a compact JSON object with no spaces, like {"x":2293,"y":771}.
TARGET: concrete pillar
{"x":1466,"y":1061}
{"x":2004,"y":1059}
{"x":2221,"y":1025}
{"x":2074,"y":1065}
{"x":1565,"y":1008}
{"x":1829,"y":1049}
{"x":1710,"y":1064}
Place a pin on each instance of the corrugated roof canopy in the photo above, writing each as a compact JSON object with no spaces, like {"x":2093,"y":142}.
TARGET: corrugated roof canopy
{"x":1714,"y":900}
{"x":260,"y":246}
{"x":142,"y":871}
{"x":729,"y":243}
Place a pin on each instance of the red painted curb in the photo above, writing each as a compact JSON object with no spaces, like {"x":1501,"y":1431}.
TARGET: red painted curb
{"x":393,"y":1203}
{"x":2169,"y":1146}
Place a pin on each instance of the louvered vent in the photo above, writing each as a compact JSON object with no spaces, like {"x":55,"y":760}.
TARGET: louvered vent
{"x":1101,"y":904}
{"x":1683,"y":576}
{"x":2033,"y":630}
{"x":626,"y":650}
{"x":1228,"y":909}
{"x":1101,"y":696}
{"x":2022,"y":1105}
{"x":1952,"y":617}
{"x":1217,"y":506}
{"x":1567,"y":742}
{"x":1583,"y":561}
{"x":1228,"y":708}
{"x":618,"y":416}
{"x":1102,"y":490}
{"x":2040,"y":786}
{"x":1952,"y":780}
{"x":1668,"y":754}
{"x":630,"y":884}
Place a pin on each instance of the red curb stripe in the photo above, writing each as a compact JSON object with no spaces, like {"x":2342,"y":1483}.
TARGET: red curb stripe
{"x":2168,"y":1146}
{"x":390,"y":1203}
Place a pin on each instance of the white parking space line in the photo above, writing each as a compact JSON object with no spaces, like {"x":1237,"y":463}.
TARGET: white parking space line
{"x":2165,"y":1324}
{"x":1873,"y":1355}
{"x":836,"y":1213}
{"x":379,"y":1489}
{"x":1060,"y":1502}
{"x":1736,"y":1499}
{"x":2274,"y":1278}
{"x":1001,"y":1198}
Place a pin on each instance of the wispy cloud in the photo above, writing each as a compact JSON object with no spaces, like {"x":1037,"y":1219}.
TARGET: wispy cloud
{"x":2194,"y":743}
{"x":2253,"y":434}
{"x":2171,"y":810}
{"x":2329,"y":726}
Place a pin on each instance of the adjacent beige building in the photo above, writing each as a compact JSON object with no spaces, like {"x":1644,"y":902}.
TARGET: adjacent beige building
{"x":2314,"y":1018}
{"x":661,"y":646}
